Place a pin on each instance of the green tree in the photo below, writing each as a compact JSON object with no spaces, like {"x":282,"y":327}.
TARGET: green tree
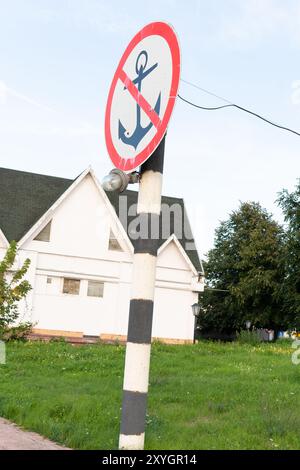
{"x":290,"y":205}
{"x":13,"y":288}
{"x":244,"y":272}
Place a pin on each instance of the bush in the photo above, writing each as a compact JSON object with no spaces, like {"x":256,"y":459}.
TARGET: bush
{"x":248,"y":337}
{"x":13,"y":288}
{"x":13,"y":333}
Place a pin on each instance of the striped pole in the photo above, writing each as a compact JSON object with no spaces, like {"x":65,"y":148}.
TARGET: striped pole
{"x":138,"y":348}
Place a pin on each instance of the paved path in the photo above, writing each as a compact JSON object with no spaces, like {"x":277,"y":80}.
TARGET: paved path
{"x":14,"y":438}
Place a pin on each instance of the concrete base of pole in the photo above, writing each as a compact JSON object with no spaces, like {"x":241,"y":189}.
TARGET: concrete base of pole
{"x":131,"y":442}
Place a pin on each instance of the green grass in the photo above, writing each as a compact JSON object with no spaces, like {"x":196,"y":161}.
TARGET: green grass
{"x":205,"y":396}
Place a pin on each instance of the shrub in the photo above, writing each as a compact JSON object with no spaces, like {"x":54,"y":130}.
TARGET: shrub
{"x":13,"y":288}
{"x":249,"y":337}
{"x":18,"y":332}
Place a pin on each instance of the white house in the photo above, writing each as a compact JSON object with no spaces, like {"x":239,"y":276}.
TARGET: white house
{"x":80,"y":243}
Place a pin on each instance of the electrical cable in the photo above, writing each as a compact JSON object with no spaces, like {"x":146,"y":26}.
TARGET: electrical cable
{"x":232,"y":105}
{"x":206,"y":91}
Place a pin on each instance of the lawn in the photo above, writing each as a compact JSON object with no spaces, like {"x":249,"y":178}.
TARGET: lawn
{"x":203,"y":396}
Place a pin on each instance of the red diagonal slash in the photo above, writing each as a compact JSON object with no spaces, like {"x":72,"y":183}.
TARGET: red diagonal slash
{"x":138,"y":97}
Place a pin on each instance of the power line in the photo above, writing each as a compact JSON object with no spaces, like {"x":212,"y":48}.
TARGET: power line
{"x":204,"y":107}
{"x":232,"y":105}
{"x":205,"y":91}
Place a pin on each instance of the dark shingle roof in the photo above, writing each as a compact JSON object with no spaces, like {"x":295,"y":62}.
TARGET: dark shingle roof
{"x":181,"y":228}
{"x":25,"y":197}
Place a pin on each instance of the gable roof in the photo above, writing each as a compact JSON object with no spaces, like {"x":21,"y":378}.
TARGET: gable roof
{"x":25,"y":197}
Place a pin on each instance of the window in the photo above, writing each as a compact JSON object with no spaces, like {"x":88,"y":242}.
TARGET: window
{"x":113,"y":243}
{"x":95,"y":289}
{"x":71,"y":286}
{"x":44,"y":235}
{"x":49,"y":280}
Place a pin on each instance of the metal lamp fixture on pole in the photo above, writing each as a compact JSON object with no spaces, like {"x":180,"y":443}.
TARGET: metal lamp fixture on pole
{"x":196,"y":309}
{"x":117,"y":180}
{"x":196,"y":312}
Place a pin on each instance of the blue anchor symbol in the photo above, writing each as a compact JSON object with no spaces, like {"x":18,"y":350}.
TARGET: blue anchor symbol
{"x":139,"y":133}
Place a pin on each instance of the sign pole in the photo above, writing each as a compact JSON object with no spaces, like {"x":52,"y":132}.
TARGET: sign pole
{"x":138,"y":347}
{"x":145,"y":85}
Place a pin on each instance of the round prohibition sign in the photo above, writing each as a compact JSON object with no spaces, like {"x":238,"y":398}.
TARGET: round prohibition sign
{"x":142,"y":96}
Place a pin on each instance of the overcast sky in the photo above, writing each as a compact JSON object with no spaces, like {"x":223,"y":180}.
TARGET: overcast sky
{"x":57,"y":59}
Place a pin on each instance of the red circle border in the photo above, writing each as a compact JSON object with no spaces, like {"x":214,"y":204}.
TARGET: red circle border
{"x":167,"y":32}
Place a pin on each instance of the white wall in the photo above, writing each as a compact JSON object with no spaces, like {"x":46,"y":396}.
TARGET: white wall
{"x":109,"y":315}
{"x":169,"y":258}
{"x":80,"y":313}
{"x":173,"y":316}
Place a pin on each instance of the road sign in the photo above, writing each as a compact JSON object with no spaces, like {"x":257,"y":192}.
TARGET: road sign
{"x":142,"y":96}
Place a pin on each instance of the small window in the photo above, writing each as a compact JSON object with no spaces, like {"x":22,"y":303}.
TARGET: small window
{"x":49,"y":280}
{"x":113,"y":245}
{"x":44,"y":235}
{"x":71,"y":286}
{"x":95,"y":289}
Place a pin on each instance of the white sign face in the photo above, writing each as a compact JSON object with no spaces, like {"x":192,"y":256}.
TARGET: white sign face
{"x":142,"y":96}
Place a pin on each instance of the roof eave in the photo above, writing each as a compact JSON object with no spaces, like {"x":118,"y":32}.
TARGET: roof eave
{"x":4,"y":239}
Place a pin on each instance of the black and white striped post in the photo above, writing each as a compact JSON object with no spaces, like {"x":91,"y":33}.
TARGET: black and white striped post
{"x":138,"y":348}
